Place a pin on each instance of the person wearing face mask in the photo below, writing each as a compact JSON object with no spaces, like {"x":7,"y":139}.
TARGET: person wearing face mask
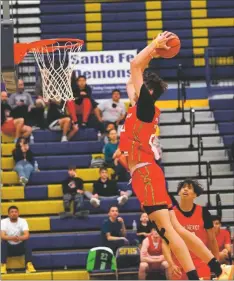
{"x":15,"y":240}
{"x":23,"y":158}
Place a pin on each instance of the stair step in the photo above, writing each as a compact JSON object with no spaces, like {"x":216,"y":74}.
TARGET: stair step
{"x":192,"y":156}
{"x":227,"y":215}
{"x":226,"y":199}
{"x":175,"y":117}
{"x":168,"y":143}
{"x":192,"y":170}
{"x":185,"y":129}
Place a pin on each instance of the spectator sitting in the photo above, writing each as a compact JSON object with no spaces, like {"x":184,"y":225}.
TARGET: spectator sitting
{"x":152,"y":258}
{"x":144,"y":228}
{"x":84,"y":103}
{"x":36,"y":115}
{"x":21,"y":102}
{"x":223,"y":239}
{"x":15,"y":240}
{"x":112,"y":111}
{"x":109,"y":150}
{"x":23,"y":158}
{"x":58,"y":121}
{"x":104,"y":189}
{"x":73,"y":190}
{"x":10,"y":126}
{"x":113,"y":230}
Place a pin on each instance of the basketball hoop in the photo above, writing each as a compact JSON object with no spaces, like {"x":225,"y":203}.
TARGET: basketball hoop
{"x":52,"y":57}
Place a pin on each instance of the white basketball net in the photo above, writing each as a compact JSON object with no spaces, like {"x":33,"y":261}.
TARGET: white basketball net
{"x":55,"y":70}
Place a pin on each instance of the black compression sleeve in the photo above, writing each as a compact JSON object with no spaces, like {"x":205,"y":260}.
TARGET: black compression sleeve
{"x":145,"y":106}
{"x":208,"y":223}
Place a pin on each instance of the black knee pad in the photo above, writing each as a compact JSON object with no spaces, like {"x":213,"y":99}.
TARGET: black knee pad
{"x":161,"y":232}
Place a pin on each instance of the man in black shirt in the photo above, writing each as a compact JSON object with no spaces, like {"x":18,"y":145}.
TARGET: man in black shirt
{"x":104,"y":188}
{"x":113,"y":230}
{"x":73,"y":190}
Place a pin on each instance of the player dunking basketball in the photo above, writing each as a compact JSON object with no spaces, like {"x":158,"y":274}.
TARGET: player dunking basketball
{"x":147,"y":177}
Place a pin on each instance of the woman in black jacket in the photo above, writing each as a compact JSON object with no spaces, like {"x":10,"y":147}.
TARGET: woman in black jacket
{"x":23,"y":158}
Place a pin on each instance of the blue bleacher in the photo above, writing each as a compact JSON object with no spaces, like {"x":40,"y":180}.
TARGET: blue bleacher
{"x":49,"y":136}
{"x":224,"y":115}
{"x":55,"y":148}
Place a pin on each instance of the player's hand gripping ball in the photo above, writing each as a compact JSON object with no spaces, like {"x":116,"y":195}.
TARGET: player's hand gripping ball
{"x":168,"y":45}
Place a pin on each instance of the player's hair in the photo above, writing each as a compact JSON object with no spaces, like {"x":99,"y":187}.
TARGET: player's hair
{"x":12,"y":208}
{"x":197,"y":187}
{"x":155,"y":83}
{"x":102,"y":169}
{"x":115,"y":90}
{"x":216,"y":218}
{"x":113,"y":206}
{"x":71,"y":168}
{"x":80,"y":76}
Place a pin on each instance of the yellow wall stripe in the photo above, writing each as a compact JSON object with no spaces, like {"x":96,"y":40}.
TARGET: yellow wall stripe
{"x":93,"y":19}
{"x":198,"y":51}
{"x":94,"y":36}
{"x":210,"y":22}
{"x":200,"y":32}
{"x":153,"y":5}
{"x":95,"y":46}
{"x":198,"y":4}
{"x":153,"y":16}
{"x":199,"y":62}
{"x":92,"y":7}
{"x":199,"y":13}
{"x":200,"y":42}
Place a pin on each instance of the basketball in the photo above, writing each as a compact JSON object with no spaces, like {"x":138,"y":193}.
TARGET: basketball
{"x":175,"y":48}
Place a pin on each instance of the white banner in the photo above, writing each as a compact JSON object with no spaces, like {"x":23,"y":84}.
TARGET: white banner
{"x":104,"y":67}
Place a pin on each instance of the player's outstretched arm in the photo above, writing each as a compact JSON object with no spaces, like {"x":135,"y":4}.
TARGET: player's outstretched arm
{"x":131,"y":92}
{"x":142,"y":59}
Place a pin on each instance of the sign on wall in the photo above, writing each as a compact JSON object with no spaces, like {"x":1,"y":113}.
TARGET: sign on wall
{"x":104,"y":70}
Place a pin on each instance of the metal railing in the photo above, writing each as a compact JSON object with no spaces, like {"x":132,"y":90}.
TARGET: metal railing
{"x":192,"y":125}
{"x":209,"y":182}
{"x":200,"y":152}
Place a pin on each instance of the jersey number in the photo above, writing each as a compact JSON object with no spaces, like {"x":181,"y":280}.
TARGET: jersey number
{"x":104,"y":256}
{"x":122,"y":128}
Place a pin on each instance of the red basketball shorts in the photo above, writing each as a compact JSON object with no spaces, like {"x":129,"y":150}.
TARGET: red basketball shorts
{"x":149,"y":185}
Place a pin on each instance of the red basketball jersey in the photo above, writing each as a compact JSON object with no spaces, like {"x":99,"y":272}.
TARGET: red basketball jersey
{"x":124,"y":142}
{"x":194,"y":224}
{"x":140,"y":136}
{"x":155,"y":248}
